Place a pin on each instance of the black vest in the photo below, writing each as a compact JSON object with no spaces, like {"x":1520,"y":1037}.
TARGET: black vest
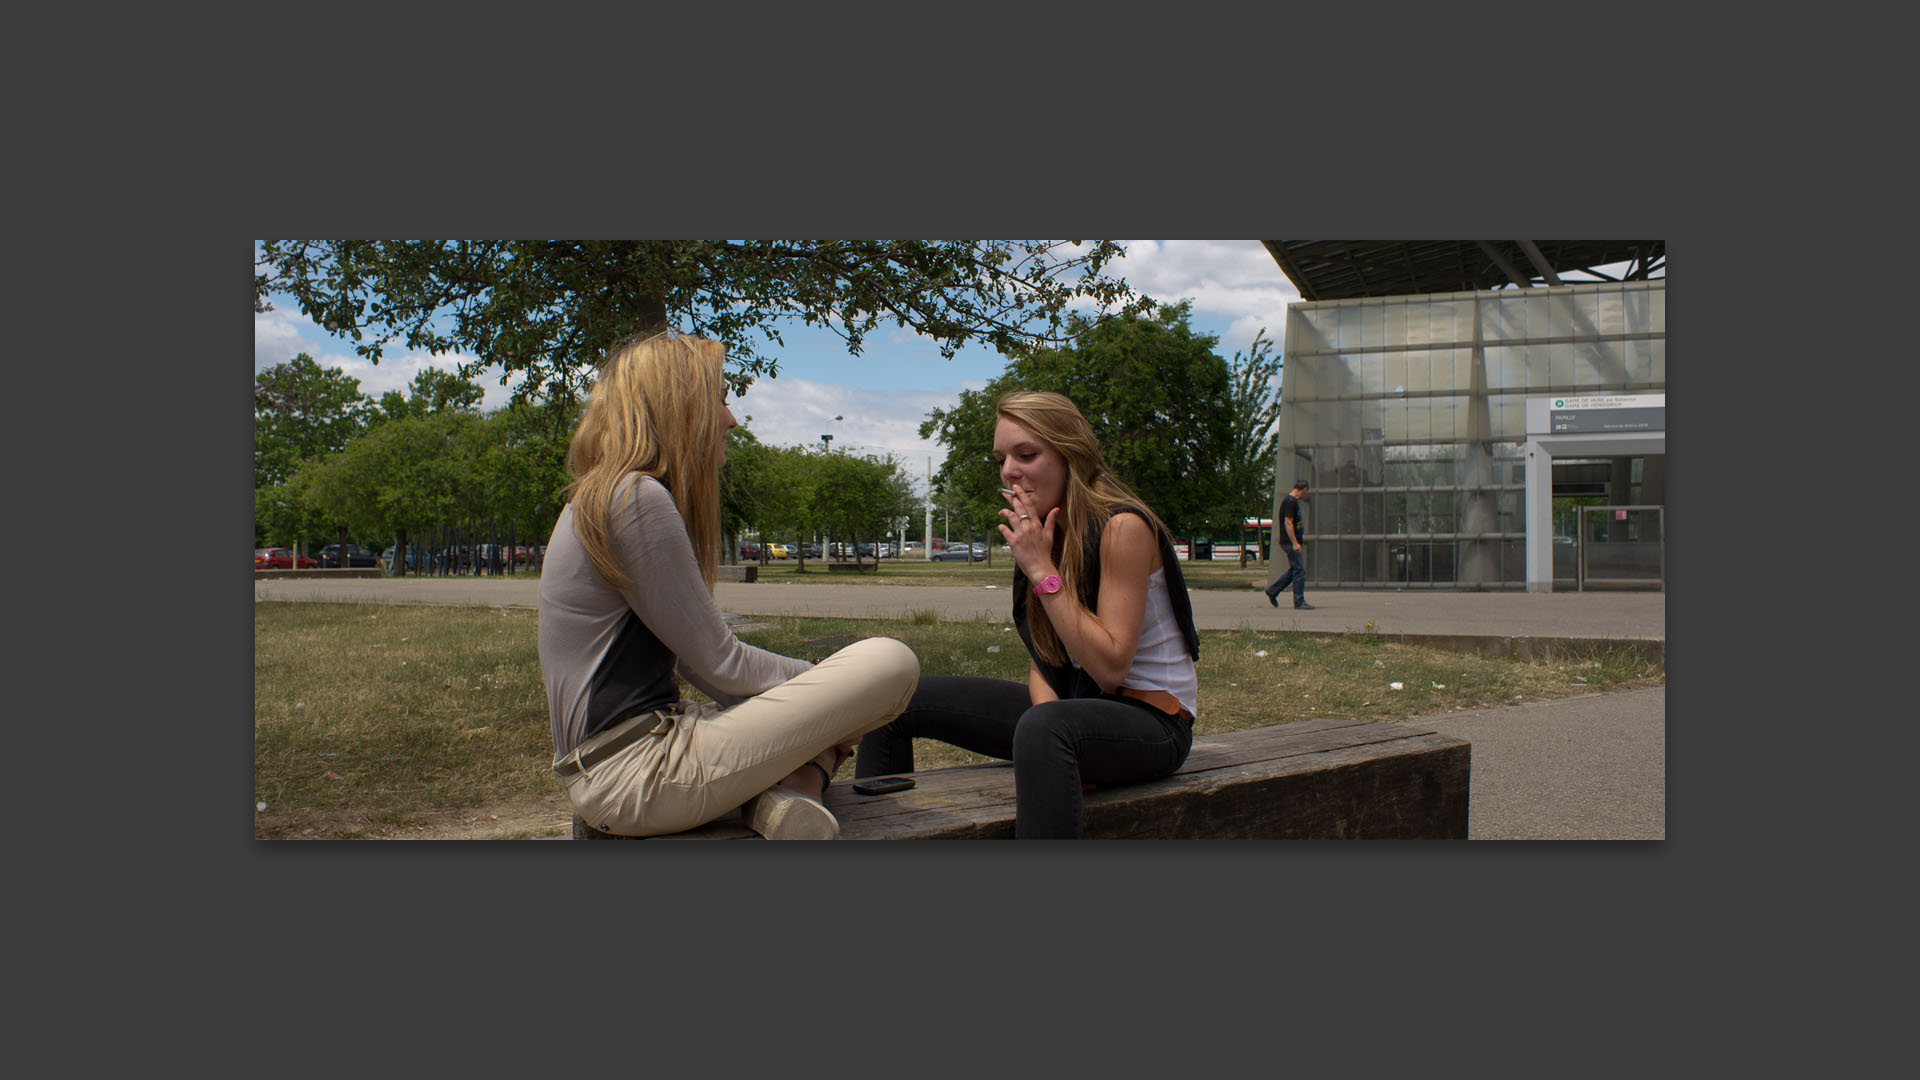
{"x":1071,"y":682}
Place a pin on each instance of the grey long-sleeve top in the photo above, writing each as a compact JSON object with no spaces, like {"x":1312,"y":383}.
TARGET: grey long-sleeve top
{"x":606,"y":655}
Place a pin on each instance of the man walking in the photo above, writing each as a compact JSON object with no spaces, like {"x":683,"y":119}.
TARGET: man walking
{"x":1293,"y":541}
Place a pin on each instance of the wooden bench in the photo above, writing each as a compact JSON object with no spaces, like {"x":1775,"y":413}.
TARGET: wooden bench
{"x":1315,"y":779}
{"x":851,"y":568}
{"x":736,"y":573}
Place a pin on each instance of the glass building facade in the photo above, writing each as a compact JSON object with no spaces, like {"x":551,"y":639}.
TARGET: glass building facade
{"x":1409,"y":416}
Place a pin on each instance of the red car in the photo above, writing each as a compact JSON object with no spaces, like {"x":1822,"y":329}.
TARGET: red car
{"x":280,"y":559}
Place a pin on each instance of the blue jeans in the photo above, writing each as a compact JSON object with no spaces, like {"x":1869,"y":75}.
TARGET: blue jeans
{"x":1055,"y":747}
{"x":1296,"y":573}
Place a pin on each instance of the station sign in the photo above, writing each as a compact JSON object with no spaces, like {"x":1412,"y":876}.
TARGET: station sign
{"x":1607,"y":413}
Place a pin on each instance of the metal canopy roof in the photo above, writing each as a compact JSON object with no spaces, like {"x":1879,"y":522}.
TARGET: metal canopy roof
{"x":1342,"y":269}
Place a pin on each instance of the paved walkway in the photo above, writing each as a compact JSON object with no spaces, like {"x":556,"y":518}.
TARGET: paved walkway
{"x":1591,"y":767}
{"x":1625,"y":615}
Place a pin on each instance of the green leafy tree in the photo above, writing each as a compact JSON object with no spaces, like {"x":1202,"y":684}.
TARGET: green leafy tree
{"x":551,"y":309}
{"x":285,"y":514}
{"x":400,"y":476}
{"x":1156,"y":395}
{"x":506,"y":468}
{"x":770,"y":489}
{"x":860,"y":497}
{"x":302,"y":412}
{"x":432,"y":390}
{"x":744,"y":488}
{"x":522,"y":465}
{"x":1254,"y":400}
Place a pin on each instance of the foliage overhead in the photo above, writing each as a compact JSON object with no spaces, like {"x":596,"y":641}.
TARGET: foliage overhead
{"x":551,"y":309}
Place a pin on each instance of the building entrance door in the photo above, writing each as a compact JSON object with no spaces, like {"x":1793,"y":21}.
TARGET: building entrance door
{"x":1622,"y":547}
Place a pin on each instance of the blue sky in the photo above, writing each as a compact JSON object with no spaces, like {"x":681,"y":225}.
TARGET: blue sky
{"x":885,"y":392}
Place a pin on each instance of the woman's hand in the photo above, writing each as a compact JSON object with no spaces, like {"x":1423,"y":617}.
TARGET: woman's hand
{"x":844,"y":751}
{"x":1029,"y":536}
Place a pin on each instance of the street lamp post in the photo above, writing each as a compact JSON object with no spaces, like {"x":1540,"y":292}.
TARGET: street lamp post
{"x":826,"y":447}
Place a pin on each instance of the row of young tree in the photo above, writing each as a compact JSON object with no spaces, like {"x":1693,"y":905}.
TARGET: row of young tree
{"x":1191,"y":432}
{"x":330,"y":464}
{"x":798,"y":492}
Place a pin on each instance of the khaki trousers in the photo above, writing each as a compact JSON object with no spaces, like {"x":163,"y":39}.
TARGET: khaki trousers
{"x":696,"y":765}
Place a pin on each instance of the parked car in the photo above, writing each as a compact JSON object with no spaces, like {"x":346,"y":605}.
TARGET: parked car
{"x":778,"y":551}
{"x":519,"y":556}
{"x":280,"y":559}
{"x":955,"y":553}
{"x":812,"y":551}
{"x":418,"y":559}
{"x":750,"y":551}
{"x":458,"y":559}
{"x":357,"y":556}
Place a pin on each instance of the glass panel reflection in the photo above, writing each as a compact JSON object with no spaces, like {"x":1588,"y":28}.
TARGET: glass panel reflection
{"x":1409,"y":420}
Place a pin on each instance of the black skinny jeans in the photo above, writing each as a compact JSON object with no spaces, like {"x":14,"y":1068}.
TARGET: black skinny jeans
{"x":1055,"y":747}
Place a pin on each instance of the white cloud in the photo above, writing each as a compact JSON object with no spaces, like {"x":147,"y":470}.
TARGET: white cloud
{"x":283,"y":333}
{"x":1231,"y":281}
{"x":792,"y":411}
{"x":396,"y":370}
{"x":1223,"y":277}
{"x":277,"y":336}
{"x":1241,"y":332}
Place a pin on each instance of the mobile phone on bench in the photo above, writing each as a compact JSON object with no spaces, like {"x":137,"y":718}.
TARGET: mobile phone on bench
{"x":881,"y":785}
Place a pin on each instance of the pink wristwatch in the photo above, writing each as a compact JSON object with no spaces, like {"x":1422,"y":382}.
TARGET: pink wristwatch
{"x":1047,"y":586}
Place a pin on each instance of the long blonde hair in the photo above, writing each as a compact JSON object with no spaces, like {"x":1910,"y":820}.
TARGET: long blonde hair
{"x":1092,"y":496}
{"x":655,"y":410}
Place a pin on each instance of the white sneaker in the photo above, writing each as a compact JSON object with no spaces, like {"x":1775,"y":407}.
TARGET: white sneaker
{"x":781,"y":813}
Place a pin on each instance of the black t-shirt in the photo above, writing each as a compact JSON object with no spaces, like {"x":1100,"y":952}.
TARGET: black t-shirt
{"x":1290,"y":508}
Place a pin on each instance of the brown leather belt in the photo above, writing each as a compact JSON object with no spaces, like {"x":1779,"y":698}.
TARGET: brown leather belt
{"x":1159,"y":699}
{"x":624,"y":734}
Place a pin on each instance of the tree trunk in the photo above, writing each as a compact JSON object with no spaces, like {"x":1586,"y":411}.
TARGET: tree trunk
{"x":652,"y":313}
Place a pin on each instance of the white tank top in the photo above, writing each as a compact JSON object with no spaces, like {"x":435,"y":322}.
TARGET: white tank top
{"x":1161,"y":662}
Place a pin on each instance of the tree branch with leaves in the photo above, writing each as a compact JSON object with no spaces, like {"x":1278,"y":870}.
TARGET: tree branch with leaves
{"x":550,"y":310}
